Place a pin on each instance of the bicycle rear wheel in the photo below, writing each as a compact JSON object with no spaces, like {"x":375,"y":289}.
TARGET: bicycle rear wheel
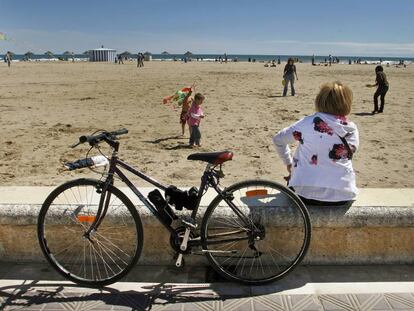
{"x":262,"y":234}
{"x":109,"y":252}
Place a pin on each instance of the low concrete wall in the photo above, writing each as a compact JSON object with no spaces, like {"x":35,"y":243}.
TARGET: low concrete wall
{"x":378,"y":228}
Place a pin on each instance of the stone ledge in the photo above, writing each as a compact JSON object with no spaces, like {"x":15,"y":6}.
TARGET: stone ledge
{"x":361,"y":234}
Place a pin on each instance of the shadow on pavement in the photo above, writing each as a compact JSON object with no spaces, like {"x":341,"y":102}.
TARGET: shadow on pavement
{"x":207,"y":290}
{"x":31,"y":294}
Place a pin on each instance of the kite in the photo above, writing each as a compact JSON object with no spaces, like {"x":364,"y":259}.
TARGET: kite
{"x":178,"y":97}
{"x":3,"y":36}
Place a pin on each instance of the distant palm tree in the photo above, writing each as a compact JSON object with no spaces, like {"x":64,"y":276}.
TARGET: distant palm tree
{"x":49,"y":54}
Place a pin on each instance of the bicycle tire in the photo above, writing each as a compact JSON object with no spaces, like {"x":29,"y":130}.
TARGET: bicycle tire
{"x":278,"y":221}
{"x":110,"y":252}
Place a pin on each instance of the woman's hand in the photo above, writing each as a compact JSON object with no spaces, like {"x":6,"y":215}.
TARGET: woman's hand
{"x":289,"y":169}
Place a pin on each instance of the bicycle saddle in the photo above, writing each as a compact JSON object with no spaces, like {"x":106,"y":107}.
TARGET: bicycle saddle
{"x":212,"y":157}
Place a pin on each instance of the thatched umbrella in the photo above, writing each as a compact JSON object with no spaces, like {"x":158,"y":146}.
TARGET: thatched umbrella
{"x":165,"y":53}
{"x":188,"y":54}
{"x":28,"y":55}
{"x":49,"y":54}
{"x":126,"y":54}
{"x":68,"y":54}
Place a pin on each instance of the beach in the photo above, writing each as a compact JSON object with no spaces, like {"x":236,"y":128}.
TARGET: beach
{"x":45,"y":107}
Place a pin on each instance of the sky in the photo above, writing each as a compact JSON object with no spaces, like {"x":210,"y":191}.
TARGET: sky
{"x":304,"y":27}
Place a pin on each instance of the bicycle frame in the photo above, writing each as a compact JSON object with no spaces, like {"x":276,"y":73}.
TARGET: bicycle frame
{"x":207,"y":181}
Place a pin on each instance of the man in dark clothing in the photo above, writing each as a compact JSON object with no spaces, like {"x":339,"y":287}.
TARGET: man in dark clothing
{"x":382,"y":89}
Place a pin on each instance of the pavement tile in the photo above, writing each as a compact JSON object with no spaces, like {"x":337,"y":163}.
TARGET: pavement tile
{"x":334,"y":291}
{"x":237,"y":304}
{"x":400,"y":301}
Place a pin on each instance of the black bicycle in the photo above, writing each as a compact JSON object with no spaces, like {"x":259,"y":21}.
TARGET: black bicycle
{"x":254,"y":232}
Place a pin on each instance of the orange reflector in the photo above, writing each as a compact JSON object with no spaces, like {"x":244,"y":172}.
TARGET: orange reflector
{"x":253,"y":193}
{"x":86,"y":218}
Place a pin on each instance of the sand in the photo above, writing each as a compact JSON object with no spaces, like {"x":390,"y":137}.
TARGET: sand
{"x":45,"y":107}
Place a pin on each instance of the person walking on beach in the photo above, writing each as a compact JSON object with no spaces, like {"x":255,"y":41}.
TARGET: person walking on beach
{"x":8,"y":58}
{"x":321,"y":171}
{"x":194,"y":115}
{"x":120,"y":60}
{"x":289,"y":74}
{"x":382,"y":88}
{"x":140,"y":60}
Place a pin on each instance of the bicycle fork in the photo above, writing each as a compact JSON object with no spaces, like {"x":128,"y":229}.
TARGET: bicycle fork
{"x":100,"y":214}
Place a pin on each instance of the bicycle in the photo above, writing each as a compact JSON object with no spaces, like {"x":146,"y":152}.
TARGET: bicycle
{"x":103,"y":236}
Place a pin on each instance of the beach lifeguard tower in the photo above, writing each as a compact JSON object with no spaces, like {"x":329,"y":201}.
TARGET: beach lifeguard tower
{"x":102,"y":55}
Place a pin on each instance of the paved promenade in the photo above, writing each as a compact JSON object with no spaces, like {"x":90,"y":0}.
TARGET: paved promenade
{"x":37,"y":287}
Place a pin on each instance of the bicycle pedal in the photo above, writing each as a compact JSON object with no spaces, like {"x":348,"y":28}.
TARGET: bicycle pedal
{"x":179,"y":262}
{"x":189,"y":222}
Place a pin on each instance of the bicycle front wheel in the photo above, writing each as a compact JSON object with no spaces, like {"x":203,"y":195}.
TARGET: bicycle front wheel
{"x":258,"y":233}
{"x":105,"y":255}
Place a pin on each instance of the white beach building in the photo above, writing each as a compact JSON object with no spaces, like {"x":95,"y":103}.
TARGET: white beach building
{"x":102,"y":55}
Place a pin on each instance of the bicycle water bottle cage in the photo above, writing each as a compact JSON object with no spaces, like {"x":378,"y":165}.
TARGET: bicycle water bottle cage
{"x":180,"y":198}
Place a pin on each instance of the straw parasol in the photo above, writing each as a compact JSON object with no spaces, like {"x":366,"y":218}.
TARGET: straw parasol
{"x":49,"y":54}
{"x":28,"y":55}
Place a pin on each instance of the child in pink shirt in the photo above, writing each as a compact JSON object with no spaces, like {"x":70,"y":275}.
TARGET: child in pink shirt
{"x":195,"y":114}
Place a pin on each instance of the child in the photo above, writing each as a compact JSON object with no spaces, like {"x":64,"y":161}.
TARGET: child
{"x":185,"y":107}
{"x":382,"y":89}
{"x":322,"y":172}
{"x":194,"y":115}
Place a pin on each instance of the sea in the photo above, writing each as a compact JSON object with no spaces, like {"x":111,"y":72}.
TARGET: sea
{"x":233,"y":57}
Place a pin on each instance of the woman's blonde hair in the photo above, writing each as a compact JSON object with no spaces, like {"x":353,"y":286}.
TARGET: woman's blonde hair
{"x":334,"y":98}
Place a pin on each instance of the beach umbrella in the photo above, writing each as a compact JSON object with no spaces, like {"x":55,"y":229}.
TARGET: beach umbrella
{"x":86,"y":53}
{"x":29,"y":55}
{"x":49,"y":54}
{"x":126,"y":54}
{"x":165,"y":53}
{"x":67,"y":54}
{"x":188,"y":54}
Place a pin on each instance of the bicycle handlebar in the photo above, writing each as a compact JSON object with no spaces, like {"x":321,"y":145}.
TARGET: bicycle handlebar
{"x":95,"y":139}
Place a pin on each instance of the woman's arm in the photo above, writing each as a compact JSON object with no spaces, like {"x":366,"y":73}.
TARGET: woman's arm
{"x":281,"y":141}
